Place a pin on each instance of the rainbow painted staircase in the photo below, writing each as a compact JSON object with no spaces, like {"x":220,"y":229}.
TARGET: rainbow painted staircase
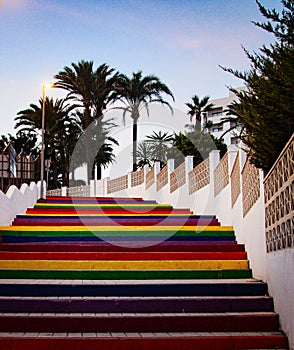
{"x":105,"y":273}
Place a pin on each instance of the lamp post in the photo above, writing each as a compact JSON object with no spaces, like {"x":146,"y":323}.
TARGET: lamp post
{"x":44,"y":87}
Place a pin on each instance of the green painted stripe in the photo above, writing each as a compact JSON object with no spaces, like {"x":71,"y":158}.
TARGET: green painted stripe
{"x":116,"y":233}
{"x":124,"y":275}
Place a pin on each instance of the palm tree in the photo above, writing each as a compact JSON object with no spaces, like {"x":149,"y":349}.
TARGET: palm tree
{"x":137,"y":93}
{"x":144,"y":154}
{"x":198,"y":108}
{"x":92,"y":89}
{"x":159,"y":145}
{"x":60,"y":125}
{"x":234,"y":113}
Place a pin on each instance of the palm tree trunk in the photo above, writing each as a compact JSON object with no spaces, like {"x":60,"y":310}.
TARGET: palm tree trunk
{"x":99,"y":171}
{"x":87,"y":122}
{"x":135,"y":135}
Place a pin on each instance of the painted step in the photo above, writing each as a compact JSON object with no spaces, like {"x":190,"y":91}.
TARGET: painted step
{"x":77,"y":206}
{"x":124,"y":264}
{"x":125,"y":274}
{"x":156,"y":304}
{"x":144,"y":341}
{"x":123,"y":256}
{"x":178,"y":322}
{"x":119,"y":240}
{"x":133,"y":288}
{"x":58,"y":199}
{"x":107,"y":247}
{"x":112,"y":220}
{"x":143,"y":231}
{"x":106,"y":211}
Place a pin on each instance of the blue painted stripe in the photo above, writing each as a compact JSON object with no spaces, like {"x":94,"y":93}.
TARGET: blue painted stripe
{"x":24,"y":239}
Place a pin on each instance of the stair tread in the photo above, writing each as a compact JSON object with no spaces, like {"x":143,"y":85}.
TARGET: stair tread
{"x":151,"y":334}
{"x":130,"y":314}
{"x":113,"y":282}
{"x":235,"y":297}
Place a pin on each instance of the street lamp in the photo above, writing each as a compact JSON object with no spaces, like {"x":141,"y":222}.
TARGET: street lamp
{"x":44,"y":87}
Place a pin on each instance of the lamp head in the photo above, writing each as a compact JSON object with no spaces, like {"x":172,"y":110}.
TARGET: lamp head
{"x":48,"y":85}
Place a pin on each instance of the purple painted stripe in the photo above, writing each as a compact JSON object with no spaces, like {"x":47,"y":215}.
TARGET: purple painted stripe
{"x":136,"y":305}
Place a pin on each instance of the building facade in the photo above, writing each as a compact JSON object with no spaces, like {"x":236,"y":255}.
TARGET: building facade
{"x":214,"y":120}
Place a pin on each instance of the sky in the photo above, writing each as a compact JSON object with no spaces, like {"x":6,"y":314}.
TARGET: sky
{"x":183,"y":42}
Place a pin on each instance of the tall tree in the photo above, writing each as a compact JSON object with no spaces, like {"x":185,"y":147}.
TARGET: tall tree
{"x":60,"y":124}
{"x":93,"y":90}
{"x":197,"y":109}
{"x":22,"y":141}
{"x":266,"y":108}
{"x":137,"y":93}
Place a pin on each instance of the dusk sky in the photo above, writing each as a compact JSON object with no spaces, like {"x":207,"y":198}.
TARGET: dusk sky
{"x":180,"y":41}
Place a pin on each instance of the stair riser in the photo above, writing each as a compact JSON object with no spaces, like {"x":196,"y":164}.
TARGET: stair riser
{"x":166,"y":289}
{"x":110,"y":222}
{"x":133,"y":305}
{"x":139,"y":324}
{"x":125,"y":275}
{"x":121,"y":256}
{"x":124,"y":265}
{"x":147,"y":240}
{"x":127,"y":343}
{"x":106,"y":247}
{"x":111,"y":211}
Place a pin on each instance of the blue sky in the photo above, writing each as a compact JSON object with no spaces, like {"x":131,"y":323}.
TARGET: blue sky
{"x":180,"y":41}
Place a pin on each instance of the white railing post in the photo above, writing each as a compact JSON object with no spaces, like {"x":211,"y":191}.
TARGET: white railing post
{"x":232,"y":150}
{"x":146,"y":170}
{"x":92,"y":188}
{"x":214,"y":158}
{"x":188,"y":167}
{"x":156,"y":171}
{"x":170,"y":169}
{"x":129,"y":180}
{"x":99,"y":188}
{"x":63,"y":191}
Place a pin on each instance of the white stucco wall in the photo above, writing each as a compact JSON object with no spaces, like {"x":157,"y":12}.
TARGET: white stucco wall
{"x":16,"y":201}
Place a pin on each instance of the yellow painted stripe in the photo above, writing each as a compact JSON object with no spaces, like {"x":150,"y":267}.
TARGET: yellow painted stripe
{"x":116,"y":227}
{"x":124,"y":265}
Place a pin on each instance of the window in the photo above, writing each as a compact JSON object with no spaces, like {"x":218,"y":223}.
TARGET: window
{"x":216,"y":112}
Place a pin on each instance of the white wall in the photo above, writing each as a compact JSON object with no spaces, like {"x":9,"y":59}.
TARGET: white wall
{"x":280,"y":278}
{"x":16,"y":201}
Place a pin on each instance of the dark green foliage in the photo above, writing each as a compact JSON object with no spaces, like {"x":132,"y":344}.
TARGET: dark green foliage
{"x":194,"y":143}
{"x":25,"y":142}
{"x":266,"y":108}
{"x":61,"y":134}
{"x":160,"y":142}
{"x":93,"y":90}
{"x":198,"y":108}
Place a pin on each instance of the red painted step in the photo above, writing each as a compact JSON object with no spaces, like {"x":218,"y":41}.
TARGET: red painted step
{"x":118,"y":211}
{"x":233,"y":322}
{"x":147,"y":341}
{"x":123,"y":256}
{"x":106,"y":247}
{"x":110,"y":221}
